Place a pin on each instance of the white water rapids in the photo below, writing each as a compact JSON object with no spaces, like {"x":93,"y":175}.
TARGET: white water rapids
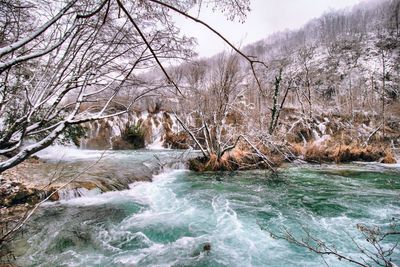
{"x":168,"y":222}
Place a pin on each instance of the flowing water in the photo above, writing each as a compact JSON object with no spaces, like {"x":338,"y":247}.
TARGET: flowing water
{"x":168,"y":222}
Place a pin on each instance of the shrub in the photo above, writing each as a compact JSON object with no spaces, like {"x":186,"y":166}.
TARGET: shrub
{"x":135,"y":136}
{"x":74,"y":133}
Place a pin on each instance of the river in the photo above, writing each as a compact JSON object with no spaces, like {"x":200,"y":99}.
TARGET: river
{"x":168,"y":222}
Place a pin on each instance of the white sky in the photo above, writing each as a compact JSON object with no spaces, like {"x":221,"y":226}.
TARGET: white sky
{"x":266,"y":17}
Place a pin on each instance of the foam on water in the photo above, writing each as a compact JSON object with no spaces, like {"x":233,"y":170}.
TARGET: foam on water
{"x":68,"y":153}
{"x":168,"y":222}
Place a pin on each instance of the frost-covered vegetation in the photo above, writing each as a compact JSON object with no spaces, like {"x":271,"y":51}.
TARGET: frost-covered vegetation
{"x":64,"y":63}
{"x":331,"y":85}
{"x":95,"y":74}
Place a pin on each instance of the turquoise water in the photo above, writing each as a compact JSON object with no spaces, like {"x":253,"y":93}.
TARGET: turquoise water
{"x":168,"y":222}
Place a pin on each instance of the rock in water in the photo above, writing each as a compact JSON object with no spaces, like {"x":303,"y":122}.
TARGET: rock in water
{"x":207,"y":248}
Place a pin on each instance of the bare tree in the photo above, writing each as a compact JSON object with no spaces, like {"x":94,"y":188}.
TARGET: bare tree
{"x":215,"y":101}
{"x":281,"y":91}
{"x":88,"y":51}
{"x":305,"y":56}
{"x":377,"y":253}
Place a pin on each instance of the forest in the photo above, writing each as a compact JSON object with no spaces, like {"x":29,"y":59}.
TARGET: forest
{"x":121,"y":146}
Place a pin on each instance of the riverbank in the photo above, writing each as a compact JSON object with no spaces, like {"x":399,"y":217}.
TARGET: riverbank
{"x":62,"y":173}
{"x":36,"y":179}
{"x":329,"y":152}
{"x":18,"y":190}
{"x":343,"y":153}
{"x":135,"y":199}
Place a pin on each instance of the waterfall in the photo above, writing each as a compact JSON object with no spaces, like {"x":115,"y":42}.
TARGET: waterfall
{"x":105,"y":133}
{"x":157,"y":130}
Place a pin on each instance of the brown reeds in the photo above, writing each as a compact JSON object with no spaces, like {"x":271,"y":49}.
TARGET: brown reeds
{"x":341,"y":153}
{"x":239,"y":158}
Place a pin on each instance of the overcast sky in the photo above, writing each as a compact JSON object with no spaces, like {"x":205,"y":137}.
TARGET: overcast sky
{"x":266,"y":17}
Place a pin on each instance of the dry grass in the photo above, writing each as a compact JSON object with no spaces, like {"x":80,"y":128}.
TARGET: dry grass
{"x":239,"y":154}
{"x":230,"y":161}
{"x":240,"y":158}
{"x":297,"y":149}
{"x":314,"y":153}
{"x":342,"y":153}
{"x":389,"y":157}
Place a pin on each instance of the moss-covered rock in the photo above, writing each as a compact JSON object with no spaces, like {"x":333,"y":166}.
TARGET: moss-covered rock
{"x":135,"y":136}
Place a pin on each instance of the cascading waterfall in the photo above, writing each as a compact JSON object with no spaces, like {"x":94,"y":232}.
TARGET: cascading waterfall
{"x":116,"y":170}
{"x":157,"y":130}
{"x":102,"y":134}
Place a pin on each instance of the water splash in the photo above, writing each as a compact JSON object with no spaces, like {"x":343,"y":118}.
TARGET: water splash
{"x":168,"y":222}
{"x":69,"y":153}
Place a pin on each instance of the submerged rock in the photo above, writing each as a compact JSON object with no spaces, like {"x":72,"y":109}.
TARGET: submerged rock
{"x":207,"y":247}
